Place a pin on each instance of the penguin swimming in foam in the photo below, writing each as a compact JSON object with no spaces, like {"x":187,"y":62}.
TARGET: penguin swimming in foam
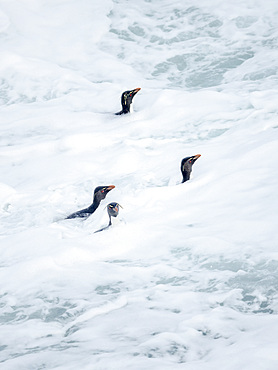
{"x":100,"y":193}
{"x":113,"y":211}
{"x":126,"y":100}
{"x":186,"y":166}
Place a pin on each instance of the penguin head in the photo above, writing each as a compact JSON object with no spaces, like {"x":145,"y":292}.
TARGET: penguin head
{"x":113,"y":209}
{"x":186,"y":166}
{"x":127,"y":97}
{"x":100,"y":192}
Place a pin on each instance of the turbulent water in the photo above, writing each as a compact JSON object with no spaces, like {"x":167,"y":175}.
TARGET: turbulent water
{"x":188,"y":278}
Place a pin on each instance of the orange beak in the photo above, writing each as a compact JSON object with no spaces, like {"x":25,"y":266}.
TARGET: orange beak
{"x":135,"y":91}
{"x":110,"y":187}
{"x":197,"y":156}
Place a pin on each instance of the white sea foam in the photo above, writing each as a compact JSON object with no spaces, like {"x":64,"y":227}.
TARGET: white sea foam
{"x":187,"y":279}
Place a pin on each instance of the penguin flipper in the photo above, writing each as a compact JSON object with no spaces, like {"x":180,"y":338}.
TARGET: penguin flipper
{"x":78,"y":214}
{"x":104,"y":228}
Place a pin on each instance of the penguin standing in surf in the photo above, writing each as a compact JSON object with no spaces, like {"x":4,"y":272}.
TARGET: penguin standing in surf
{"x":100,"y":193}
{"x":186,"y":166}
{"x":113,"y":211}
{"x":126,"y":100}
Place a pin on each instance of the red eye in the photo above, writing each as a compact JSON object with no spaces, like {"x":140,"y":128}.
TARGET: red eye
{"x":102,"y":191}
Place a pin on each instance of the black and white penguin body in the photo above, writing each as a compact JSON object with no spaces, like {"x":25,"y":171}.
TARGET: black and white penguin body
{"x":113,"y":212}
{"x":186,"y":166}
{"x":127,"y":100}
{"x":100,"y":193}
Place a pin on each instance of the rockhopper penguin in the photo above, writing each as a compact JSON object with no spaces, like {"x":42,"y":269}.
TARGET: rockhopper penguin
{"x":100,"y":193}
{"x":186,"y":166}
{"x":113,"y":211}
{"x":126,"y":100}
